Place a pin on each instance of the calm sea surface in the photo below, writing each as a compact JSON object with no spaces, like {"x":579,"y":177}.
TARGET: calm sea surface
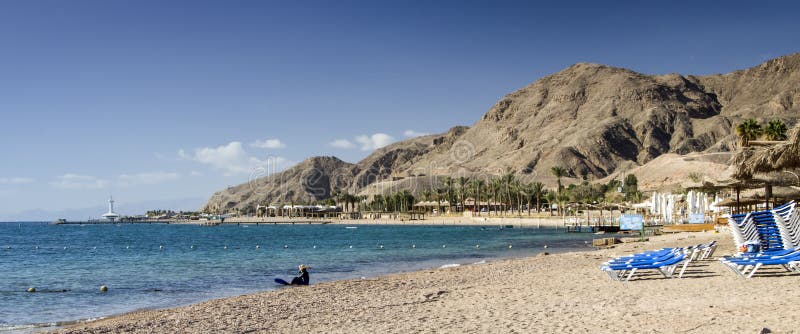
{"x":154,"y":266}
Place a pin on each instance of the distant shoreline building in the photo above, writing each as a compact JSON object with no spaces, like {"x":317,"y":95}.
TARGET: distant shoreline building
{"x":110,"y":215}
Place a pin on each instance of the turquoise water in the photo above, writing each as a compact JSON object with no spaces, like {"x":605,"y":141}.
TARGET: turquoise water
{"x":198,"y":263}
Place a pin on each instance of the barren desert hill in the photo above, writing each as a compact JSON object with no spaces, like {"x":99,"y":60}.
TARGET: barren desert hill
{"x":591,"y":119}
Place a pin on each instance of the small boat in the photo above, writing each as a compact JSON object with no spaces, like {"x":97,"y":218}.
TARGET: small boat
{"x":59,"y":221}
{"x":352,"y":227}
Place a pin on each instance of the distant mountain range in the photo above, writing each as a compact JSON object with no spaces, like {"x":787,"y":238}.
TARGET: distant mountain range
{"x":123,"y":208}
{"x":593,"y":120}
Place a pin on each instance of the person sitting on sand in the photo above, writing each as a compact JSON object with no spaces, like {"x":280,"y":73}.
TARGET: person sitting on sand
{"x":303,"y":278}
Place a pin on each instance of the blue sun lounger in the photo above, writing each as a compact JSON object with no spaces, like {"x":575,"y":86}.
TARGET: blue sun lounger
{"x":665,"y":264}
{"x":789,"y":260}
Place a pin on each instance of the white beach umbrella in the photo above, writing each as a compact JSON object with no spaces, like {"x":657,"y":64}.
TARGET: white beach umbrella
{"x":654,"y":203}
{"x":671,"y":208}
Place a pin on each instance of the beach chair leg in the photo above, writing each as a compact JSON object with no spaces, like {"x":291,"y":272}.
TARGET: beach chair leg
{"x":686,"y":264}
{"x":734,"y":268}
{"x":695,"y":254}
{"x":753,"y":271}
{"x":744,"y":269}
{"x":630,"y":274}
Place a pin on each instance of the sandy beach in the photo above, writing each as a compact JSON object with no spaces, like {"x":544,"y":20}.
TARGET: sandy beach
{"x":547,"y":294}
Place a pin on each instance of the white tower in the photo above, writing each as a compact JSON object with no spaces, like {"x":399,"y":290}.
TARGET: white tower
{"x":111,"y":215}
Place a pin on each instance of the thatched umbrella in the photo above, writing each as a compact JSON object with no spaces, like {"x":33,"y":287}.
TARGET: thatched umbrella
{"x":778,"y":157}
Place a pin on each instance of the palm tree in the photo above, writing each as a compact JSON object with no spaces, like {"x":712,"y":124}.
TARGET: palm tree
{"x":478,"y":184}
{"x":558,"y":172}
{"x":537,"y":191}
{"x":518,"y":189}
{"x":462,"y":190}
{"x":526,"y":189}
{"x":448,"y":186}
{"x":747,"y":131}
{"x":507,"y":180}
{"x":496,"y":195}
{"x":440,"y":193}
{"x":776,"y":130}
{"x":551,"y":197}
{"x":562,"y":199}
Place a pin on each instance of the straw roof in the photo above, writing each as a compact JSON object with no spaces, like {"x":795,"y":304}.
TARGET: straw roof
{"x":779,"y":157}
{"x":731,"y":202}
{"x":431,"y":204}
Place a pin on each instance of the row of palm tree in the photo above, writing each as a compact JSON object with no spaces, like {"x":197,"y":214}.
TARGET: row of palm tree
{"x":401,"y":201}
{"x":505,"y":192}
{"x":750,"y":130}
{"x":495,"y":194}
{"x":346,"y":200}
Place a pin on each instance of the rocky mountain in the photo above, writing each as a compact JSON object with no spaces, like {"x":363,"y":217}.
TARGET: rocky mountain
{"x":593,"y":120}
{"x":311,"y":180}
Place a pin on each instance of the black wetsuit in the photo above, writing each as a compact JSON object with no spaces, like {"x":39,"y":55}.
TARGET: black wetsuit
{"x":302,"y":279}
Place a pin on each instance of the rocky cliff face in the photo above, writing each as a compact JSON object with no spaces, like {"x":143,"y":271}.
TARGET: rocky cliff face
{"x":311,"y":180}
{"x":590,"y":119}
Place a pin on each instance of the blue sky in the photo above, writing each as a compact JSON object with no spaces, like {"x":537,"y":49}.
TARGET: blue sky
{"x":164,"y":100}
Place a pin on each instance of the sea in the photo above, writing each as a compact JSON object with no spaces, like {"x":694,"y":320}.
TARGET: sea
{"x":146,"y":266}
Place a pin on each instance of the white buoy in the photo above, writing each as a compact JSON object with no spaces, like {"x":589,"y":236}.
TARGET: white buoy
{"x":545,"y":246}
{"x":477,"y":246}
{"x":285,"y":246}
{"x":192,"y":247}
{"x":95,"y":247}
{"x":127,"y":247}
{"x":103,"y":288}
{"x":315,"y":247}
{"x":351,"y":246}
{"x":65,"y":247}
{"x":413,"y":246}
{"x":381,"y":247}
{"x":161,"y":247}
{"x":509,"y":246}
{"x":226,"y":247}
{"x":37,"y":247}
{"x":258,"y":246}
{"x":444,"y":246}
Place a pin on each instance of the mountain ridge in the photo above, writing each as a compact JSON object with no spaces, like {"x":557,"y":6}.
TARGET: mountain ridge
{"x":593,"y":120}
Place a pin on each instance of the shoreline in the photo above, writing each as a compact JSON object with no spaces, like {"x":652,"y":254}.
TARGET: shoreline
{"x":552,"y":293}
{"x":445,"y":264}
{"x":464,"y":255}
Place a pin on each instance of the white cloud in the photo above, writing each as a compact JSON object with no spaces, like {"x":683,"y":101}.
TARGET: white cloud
{"x":342,"y":143}
{"x":127,"y":180}
{"x":412,"y":133}
{"x":195,"y":173}
{"x":374,"y":141}
{"x":182,"y":154}
{"x":15,"y":180}
{"x":77,"y":181}
{"x":232,"y":159}
{"x":268,"y":143}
